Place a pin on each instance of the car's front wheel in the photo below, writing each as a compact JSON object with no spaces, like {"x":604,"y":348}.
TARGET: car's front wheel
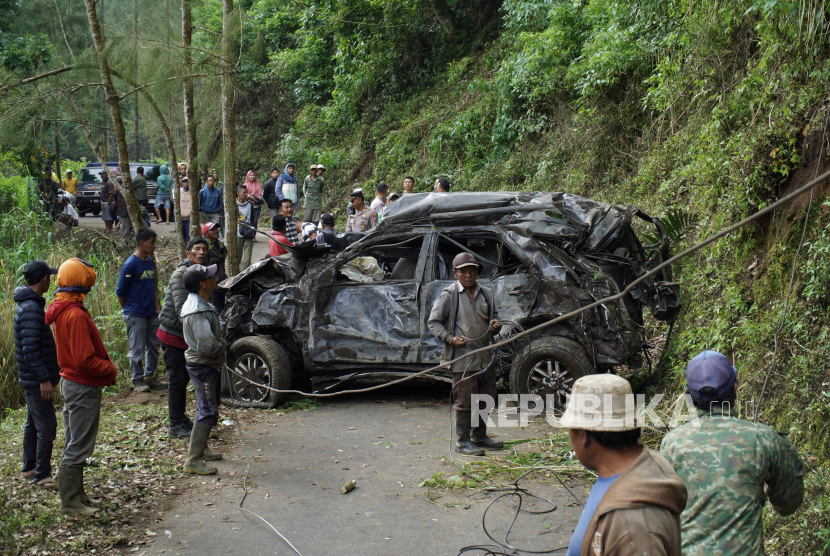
{"x":257,"y":360}
{"x":549,"y":367}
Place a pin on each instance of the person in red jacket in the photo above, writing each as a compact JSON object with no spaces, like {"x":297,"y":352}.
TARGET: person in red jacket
{"x":275,"y":249}
{"x":86,"y":368}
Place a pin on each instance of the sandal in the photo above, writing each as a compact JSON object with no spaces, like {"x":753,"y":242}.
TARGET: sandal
{"x":45,"y":482}
{"x":27,"y":474}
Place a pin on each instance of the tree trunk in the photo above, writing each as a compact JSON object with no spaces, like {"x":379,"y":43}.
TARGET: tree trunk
{"x":444,"y":15}
{"x":114,"y":103}
{"x":190,"y":120}
{"x":105,"y":137}
{"x":136,"y":142}
{"x":229,"y":139}
{"x":58,"y":152}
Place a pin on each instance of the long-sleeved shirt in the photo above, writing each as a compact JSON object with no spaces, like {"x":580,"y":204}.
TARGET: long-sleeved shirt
{"x":210,"y":200}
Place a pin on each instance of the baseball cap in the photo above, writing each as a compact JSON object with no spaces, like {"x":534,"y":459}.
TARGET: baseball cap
{"x":206,"y":227}
{"x":37,"y":269}
{"x":394,"y":195}
{"x":327,"y":219}
{"x":710,"y":369}
{"x":321,"y":167}
{"x":195,"y":274}
{"x":313,"y":167}
{"x":464,"y":259}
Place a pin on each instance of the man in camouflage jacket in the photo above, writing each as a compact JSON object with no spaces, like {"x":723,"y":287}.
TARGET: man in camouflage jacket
{"x":730,"y":467}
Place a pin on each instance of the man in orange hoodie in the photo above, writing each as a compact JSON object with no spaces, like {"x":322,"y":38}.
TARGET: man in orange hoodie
{"x":86,"y":368}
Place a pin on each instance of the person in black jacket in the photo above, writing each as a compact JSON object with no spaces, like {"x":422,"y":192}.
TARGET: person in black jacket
{"x":269,"y":193}
{"x":37,"y":368}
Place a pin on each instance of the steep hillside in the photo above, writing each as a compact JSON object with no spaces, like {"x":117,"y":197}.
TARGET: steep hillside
{"x":712,"y":110}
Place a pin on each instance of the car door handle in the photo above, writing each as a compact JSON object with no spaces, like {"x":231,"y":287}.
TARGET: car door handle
{"x":405,"y":298}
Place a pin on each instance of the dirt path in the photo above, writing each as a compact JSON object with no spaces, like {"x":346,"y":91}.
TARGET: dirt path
{"x":388,"y":444}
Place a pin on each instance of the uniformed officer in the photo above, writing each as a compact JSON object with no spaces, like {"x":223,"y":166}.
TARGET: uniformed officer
{"x":364,"y":218}
{"x":463,"y":318}
{"x":730,"y":466}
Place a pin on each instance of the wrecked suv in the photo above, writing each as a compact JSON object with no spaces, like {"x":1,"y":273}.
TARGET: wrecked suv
{"x":358,"y":306}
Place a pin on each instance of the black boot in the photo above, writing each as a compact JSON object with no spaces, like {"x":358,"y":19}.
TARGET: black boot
{"x":479,"y":437}
{"x":462,"y":430}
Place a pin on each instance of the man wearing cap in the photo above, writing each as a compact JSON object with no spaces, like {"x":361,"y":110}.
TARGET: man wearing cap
{"x":326,"y":226}
{"x":463,"y":318}
{"x":364,"y":218}
{"x":217,"y":254}
{"x":70,"y":184}
{"x":379,"y":202}
{"x":275,"y":249}
{"x":634,"y":506}
{"x":390,"y":200}
{"x":313,"y":192}
{"x":136,"y":293}
{"x":86,"y":368}
{"x":37,"y":371}
{"x":205,"y":357}
{"x":172,"y":339}
{"x":730,"y":466}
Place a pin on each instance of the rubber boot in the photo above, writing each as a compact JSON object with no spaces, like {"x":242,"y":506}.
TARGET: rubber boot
{"x":210,"y":455}
{"x":479,"y":438}
{"x":198,"y":441}
{"x":462,"y":430}
{"x":85,"y":499}
{"x":70,"y":487}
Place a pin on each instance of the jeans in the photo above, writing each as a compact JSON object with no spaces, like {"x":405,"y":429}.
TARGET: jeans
{"x":163,"y":201}
{"x":206,"y":380}
{"x":257,"y":209}
{"x":244,"y":248}
{"x":38,"y":434}
{"x":484,"y":383}
{"x":81,"y":417}
{"x":177,"y":379}
{"x":186,"y":230}
{"x":144,"y":345}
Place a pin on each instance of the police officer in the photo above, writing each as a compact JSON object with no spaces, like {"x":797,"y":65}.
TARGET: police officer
{"x":364,"y":218}
{"x":731,"y":467}
{"x":463,"y":318}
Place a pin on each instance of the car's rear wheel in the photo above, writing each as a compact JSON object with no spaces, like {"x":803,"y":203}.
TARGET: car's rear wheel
{"x":81,"y":213}
{"x":261,"y":361}
{"x":96,"y":212}
{"x":549,"y":367}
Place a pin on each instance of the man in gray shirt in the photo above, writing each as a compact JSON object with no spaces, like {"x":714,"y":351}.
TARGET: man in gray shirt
{"x":464,"y":317}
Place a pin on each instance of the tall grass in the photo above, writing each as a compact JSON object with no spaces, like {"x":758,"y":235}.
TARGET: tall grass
{"x":25,"y":236}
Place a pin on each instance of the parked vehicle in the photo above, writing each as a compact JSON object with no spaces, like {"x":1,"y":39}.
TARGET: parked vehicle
{"x":89,"y":184}
{"x":362,"y":312}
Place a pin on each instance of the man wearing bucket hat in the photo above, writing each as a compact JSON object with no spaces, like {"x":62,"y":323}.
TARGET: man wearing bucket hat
{"x":463,"y":318}
{"x":729,"y":465}
{"x":634,"y":506}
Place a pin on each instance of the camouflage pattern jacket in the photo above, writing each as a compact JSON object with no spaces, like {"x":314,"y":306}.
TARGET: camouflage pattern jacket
{"x":725,"y":463}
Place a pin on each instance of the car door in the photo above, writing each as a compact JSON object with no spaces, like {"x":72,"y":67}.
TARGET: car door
{"x":506,"y":274}
{"x":366,"y":305}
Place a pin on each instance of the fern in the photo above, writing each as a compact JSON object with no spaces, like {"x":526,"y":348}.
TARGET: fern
{"x":677,"y":223}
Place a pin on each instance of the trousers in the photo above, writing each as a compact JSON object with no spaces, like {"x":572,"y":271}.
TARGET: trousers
{"x":177,"y":379}
{"x":81,"y":417}
{"x":464,"y":387}
{"x":38,"y":434}
{"x":206,"y":381}
{"x":144,"y":345}
{"x":244,"y":249}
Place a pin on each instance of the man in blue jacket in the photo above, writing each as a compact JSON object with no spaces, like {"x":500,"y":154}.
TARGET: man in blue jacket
{"x":287,"y":186}
{"x":37,"y":368}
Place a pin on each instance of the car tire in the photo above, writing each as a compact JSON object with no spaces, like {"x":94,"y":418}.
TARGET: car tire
{"x":81,"y":213}
{"x":96,"y":212}
{"x":264,"y":361}
{"x":549,"y":366}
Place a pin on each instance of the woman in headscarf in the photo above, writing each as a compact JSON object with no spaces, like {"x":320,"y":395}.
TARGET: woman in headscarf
{"x":255,"y":195}
{"x":86,"y":368}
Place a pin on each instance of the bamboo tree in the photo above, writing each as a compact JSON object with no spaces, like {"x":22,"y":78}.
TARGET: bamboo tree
{"x":229,"y":138}
{"x":114,"y":103}
{"x":190,"y":119}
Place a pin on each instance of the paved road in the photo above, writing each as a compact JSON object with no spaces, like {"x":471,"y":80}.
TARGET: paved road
{"x":387,"y":443}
